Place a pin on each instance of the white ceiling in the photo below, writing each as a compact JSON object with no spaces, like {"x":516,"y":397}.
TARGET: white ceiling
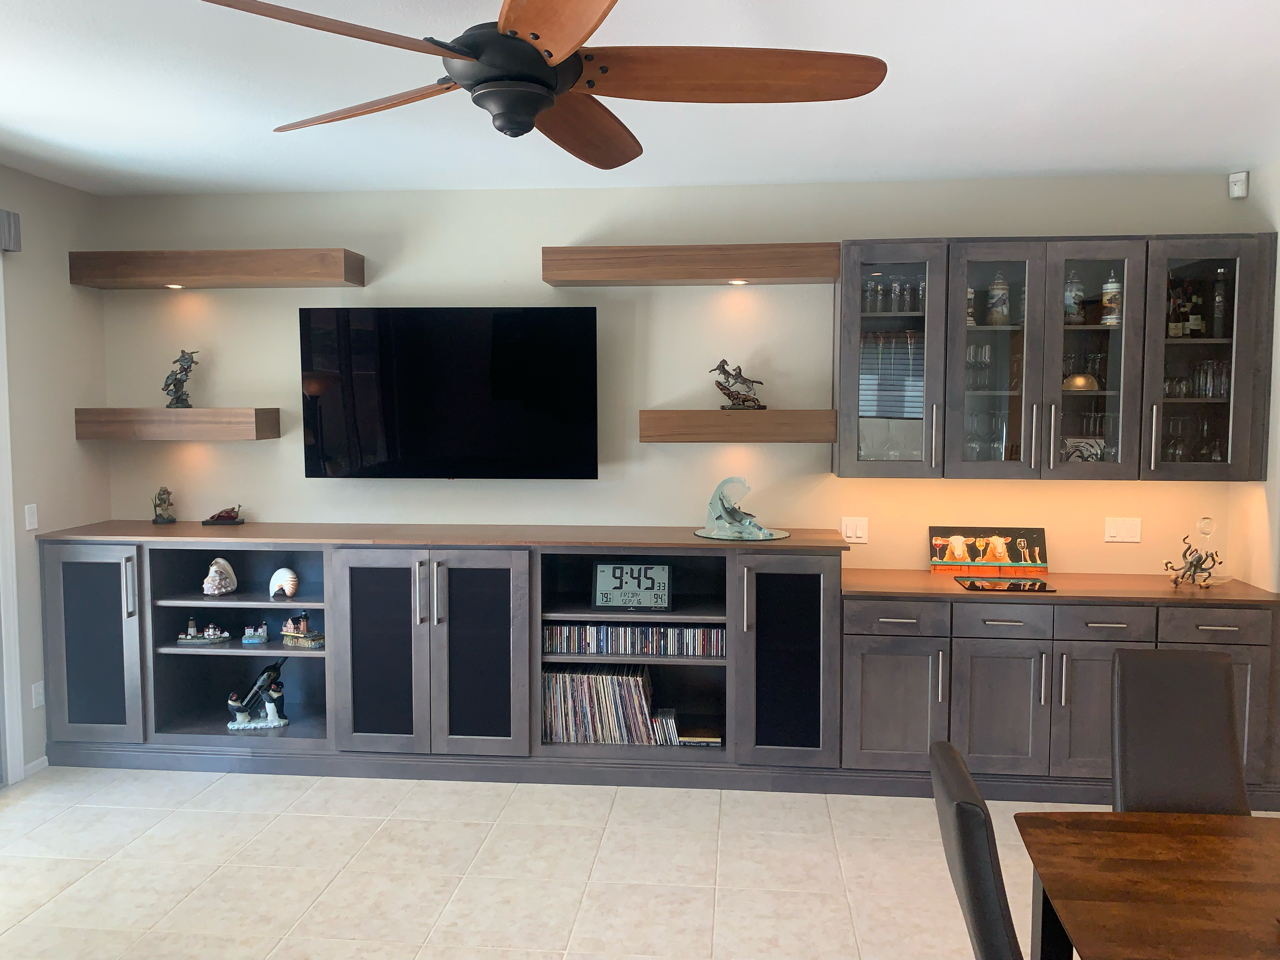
{"x":143,"y":96}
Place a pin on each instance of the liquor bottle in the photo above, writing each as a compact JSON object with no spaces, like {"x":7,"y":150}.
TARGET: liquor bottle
{"x":1220,"y":304}
{"x":1174,"y":328}
{"x":1195,"y":317}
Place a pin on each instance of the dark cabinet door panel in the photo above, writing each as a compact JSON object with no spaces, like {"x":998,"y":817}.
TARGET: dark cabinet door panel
{"x":95,"y":654}
{"x":1000,"y":697}
{"x":1081,"y":717}
{"x":896,"y":700}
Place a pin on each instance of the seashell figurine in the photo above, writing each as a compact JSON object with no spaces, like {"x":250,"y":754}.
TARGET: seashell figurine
{"x":284,"y":583}
{"x":221,"y":579}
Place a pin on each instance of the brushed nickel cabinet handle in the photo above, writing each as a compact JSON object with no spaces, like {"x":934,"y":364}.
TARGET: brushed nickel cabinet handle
{"x":417,"y":592}
{"x":1044,"y":663}
{"x":1051,"y":448}
{"x":1035,"y":416}
{"x":933,"y":441}
{"x":1155,"y":433}
{"x":1206,"y":626}
{"x":1114,"y":626}
{"x":942,"y":659}
{"x":1003,"y":623}
{"x":129,"y":586}
{"x":435,"y":591}
{"x":1064,"y":679}
{"x":898,"y":620}
{"x":746,"y":578}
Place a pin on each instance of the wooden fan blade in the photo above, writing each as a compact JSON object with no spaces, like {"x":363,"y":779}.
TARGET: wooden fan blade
{"x":340,"y":27}
{"x":373,"y":106}
{"x":726,"y":74}
{"x":556,"y":27}
{"x":588,"y":129}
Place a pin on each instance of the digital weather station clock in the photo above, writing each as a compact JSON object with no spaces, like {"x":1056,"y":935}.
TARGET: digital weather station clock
{"x":632,"y":586}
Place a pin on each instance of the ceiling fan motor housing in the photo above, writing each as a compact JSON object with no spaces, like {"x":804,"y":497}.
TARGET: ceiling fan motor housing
{"x":509,"y":77}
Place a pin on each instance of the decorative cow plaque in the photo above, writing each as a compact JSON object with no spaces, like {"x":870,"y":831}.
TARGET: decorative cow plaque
{"x":988,"y":551}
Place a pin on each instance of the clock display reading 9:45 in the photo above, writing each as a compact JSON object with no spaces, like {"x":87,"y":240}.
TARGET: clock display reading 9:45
{"x":631,"y":586}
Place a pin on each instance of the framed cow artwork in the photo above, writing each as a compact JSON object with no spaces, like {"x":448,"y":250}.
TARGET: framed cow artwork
{"x":988,"y":551}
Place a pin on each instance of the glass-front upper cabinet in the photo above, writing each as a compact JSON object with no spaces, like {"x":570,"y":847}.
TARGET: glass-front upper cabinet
{"x":891,"y":360}
{"x":995,"y":358}
{"x":1095,"y":290}
{"x":1204,"y":344}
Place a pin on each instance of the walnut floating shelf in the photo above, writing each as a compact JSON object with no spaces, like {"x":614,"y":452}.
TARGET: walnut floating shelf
{"x":161,"y":423}
{"x":737,"y":426}
{"x":691,"y":265}
{"x":153,"y":269}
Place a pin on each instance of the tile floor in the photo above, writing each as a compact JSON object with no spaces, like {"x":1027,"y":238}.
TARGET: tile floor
{"x":143,"y":864}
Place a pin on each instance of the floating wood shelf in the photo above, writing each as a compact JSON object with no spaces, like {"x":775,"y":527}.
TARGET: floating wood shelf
{"x":737,"y":426}
{"x":690,"y":265}
{"x":161,"y":423}
{"x":153,"y":269}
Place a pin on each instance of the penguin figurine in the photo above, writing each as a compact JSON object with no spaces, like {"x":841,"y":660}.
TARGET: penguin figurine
{"x":273,"y":702}
{"x":238,"y":712}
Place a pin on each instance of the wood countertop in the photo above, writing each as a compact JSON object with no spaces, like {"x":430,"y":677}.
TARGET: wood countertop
{"x":1142,"y":589}
{"x":454,"y":535}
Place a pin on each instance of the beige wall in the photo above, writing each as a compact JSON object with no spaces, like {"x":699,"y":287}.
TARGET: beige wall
{"x":55,"y":347}
{"x":655,"y":348}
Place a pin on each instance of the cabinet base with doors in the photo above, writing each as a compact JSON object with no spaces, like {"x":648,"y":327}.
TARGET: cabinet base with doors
{"x":442,"y":643}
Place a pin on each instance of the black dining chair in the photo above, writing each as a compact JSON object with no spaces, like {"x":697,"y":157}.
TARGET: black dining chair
{"x":970,"y":845}
{"x":1174,"y":746}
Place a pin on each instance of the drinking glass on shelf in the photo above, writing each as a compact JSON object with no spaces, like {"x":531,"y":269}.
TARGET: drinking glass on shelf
{"x":869,"y":297}
{"x":1068,"y":364}
{"x":1096,"y":366}
{"x":879,"y":301}
{"x":895,"y":294}
{"x":1015,"y":372}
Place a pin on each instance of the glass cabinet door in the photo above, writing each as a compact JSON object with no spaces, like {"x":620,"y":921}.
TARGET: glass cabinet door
{"x":1202,"y":324}
{"x":892,"y":351}
{"x":1093,"y":359}
{"x":995,"y":339}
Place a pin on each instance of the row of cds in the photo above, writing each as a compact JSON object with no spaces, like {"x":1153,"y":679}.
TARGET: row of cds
{"x":655,"y":640}
{"x":603,"y":705}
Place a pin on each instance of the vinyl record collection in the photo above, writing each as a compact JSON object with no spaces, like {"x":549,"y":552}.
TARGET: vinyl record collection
{"x":619,"y":639}
{"x":602,"y":705}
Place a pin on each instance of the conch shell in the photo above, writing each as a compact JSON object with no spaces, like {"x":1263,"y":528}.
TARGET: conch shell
{"x":284,"y":583}
{"x":221,"y":579}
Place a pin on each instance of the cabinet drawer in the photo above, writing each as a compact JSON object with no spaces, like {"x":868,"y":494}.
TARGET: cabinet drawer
{"x":897,"y":618}
{"x":1023,"y":621}
{"x":1104,"y":623}
{"x":1215,"y":625}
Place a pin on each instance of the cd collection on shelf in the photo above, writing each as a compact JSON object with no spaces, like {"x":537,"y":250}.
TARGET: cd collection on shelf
{"x":660,"y":640}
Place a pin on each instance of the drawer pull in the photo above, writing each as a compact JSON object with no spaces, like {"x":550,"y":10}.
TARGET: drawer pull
{"x":899,"y":620}
{"x":1116,"y":626}
{"x":1003,"y":623}
{"x":1205,"y":626}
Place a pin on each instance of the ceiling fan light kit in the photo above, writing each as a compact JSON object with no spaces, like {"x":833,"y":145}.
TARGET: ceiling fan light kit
{"x":529,"y":70}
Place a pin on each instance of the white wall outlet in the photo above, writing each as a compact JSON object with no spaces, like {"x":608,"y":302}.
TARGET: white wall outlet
{"x":854,"y":529}
{"x":1238,"y":185}
{"x":1123,"y":530}
{"x":37,"y":694}
{"x":32,"y":521}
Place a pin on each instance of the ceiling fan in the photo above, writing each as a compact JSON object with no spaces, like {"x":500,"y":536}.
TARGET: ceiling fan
{"x":530,"y":69}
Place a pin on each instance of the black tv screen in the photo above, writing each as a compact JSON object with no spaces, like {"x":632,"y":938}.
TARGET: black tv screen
{"x":450,"y":392}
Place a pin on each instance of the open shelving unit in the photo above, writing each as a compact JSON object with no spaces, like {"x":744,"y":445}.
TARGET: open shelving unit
{"x":693,"y":264}
{"x":737,"y":426}
{"x":212,"y":269}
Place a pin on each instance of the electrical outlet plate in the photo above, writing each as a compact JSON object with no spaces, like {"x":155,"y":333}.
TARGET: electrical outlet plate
{"x":854,"y":529}
{"x":37,"y":694}
{"x":1123,"y":530}
{"x":32,"y":521}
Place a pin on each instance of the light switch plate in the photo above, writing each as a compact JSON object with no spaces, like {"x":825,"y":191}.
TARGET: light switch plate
{"x":32,"y":521}
{"x":854,"y":529}
{"x":1123,"y":530}
{"x":37,"y":694}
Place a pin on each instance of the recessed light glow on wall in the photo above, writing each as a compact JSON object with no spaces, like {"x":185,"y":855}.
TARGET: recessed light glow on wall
{"x":173,"y":286}
{"x":739,"y":283}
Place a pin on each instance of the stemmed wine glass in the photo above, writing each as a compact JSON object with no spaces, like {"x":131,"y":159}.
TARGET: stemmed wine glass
{"x":1021,"y":544}
{"x":939,"y":545}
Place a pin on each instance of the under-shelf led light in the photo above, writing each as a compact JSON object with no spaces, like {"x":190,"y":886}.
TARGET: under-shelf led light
{"x":173,"y":286}
{"x":739,"y":283}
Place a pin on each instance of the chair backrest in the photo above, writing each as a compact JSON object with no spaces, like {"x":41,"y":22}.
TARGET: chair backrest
{"x":970,"y":845}
{"x":1174,"y":745}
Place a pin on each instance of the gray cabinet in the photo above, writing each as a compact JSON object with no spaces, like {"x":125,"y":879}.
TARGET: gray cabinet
{"x":896,"y":700}
{"x":1080,"y":739}
{"x":93,"y":642}
{"x":787,"y":661}
{"x":1000,"y":704}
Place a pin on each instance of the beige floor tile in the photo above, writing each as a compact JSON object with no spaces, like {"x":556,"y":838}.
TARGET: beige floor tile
{"x":1264,"y":813}
{"x":779,"y":861}
{"x":196,"y":836}
{"x":298,"y":841}
{"x":516,"y":914}
{"x":673,"y":809}
{"x":65,"y":785}
{"x":169,"y":945}
{"x":399,"y":907}
{"x":31,"y":942}
{"x":86,"y":833}
{"x":891,"y":928}
{"x":586,"y":806}
{"x":901,"y":818}
{"x":1002,"y":821}
{"x":167,"y":789}
{"x":27,"y":883}
{"x":309,"y":948}
{"x":251,"y":793}
{"x":19,"y":818}
{"x":645,"y":920}
{"x":447,"y":951}
{"x":1017,"y":871}
{"x":760,"y":924}
{"x":352,"y":797}
{"x":1080,"y":808}
{"x":454,"y":800}
{"x":656,"y":855}
{"x":123,"y":896}
{"x":907,"y":868}
{"x":774,"y":812}
{"x":266,"y":900}
{"x":527,"y":851}
{"x":434,"y":847}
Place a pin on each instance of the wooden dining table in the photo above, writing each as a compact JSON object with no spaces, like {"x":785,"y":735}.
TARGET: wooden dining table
{"x":1153,"y":886}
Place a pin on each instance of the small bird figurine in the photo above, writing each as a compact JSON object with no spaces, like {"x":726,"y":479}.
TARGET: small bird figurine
{"x":273,"y":702}
{"x":236,"y":706}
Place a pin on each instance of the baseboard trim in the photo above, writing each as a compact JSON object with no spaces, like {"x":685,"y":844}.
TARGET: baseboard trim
{"x":35,"y":766}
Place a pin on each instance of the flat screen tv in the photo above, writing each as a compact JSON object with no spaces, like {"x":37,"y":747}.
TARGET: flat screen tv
{"x":450,"y":392}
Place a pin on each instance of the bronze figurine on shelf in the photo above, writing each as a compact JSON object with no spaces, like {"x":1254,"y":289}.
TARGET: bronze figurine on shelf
{"x":226,"y":517}
{"x":162,"y":504}
{"x":175,"y":384}
{"x":1194,"y":564}
{"x":737,"y":387}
